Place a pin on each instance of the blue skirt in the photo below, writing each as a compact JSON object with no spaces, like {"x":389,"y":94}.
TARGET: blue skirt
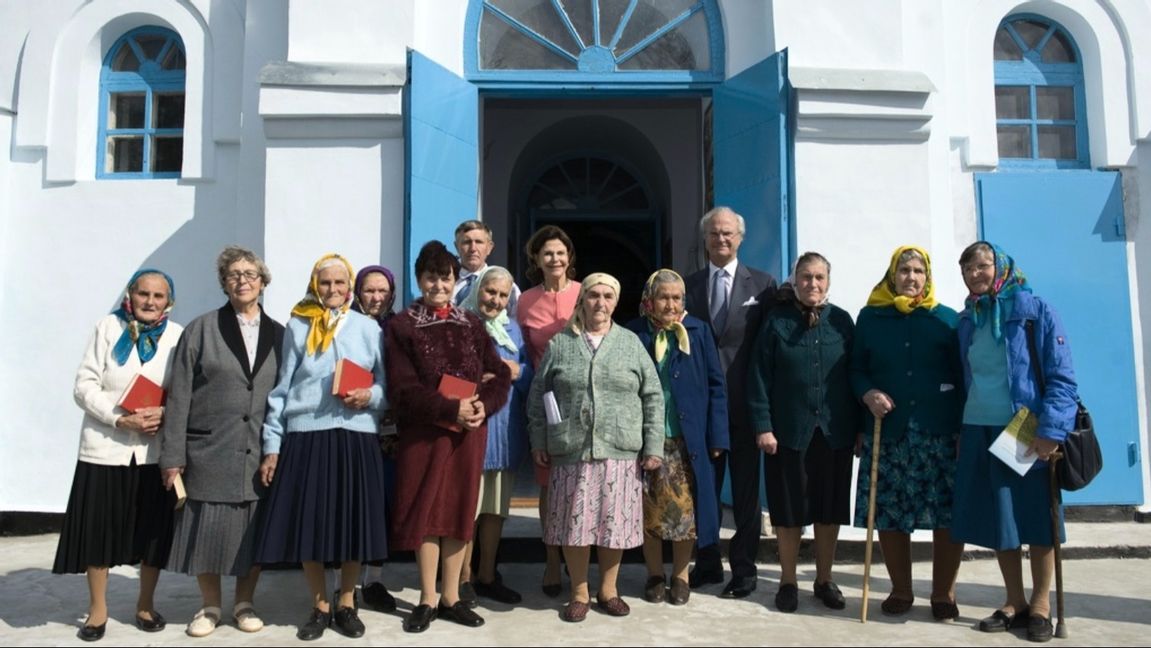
{"x":994,"y":506}
{"x":327,"y":500}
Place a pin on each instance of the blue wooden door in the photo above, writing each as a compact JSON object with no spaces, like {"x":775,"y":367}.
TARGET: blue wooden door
{"x":441,"y":154}
{"x":752,"y":154}
{"x":1065,"y":230}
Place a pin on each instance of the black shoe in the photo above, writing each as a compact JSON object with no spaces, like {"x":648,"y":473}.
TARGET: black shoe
{"x":944,"y":610}
{"x":91,"y":632}
{"x":155,"y":624}
{"x":830,"y":595}
{"x":468,"y":595}
{"x":1039,"y":628}
{"x":739,"y":587}
{"x":420,"y":618}
{"x":1000,"y":621}
{"x":460,"y":613}
{"x":497,"y":591}
{"x":314,"y":628}
{"x":787,"y":598}
{"x":655,"y":591}
{"x":700,"y":576}
{"x":348,"y":622}
{"x":552,"y":590}
{"x":377,"y":597}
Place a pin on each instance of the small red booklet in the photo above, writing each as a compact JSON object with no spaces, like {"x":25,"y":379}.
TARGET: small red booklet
{"x":141,"y":393}
{"x":459,"y":389}
{"x":350,"y":376}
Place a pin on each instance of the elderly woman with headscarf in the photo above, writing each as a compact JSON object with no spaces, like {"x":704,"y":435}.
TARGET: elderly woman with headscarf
{"x":118,"y":512}
{"x":443,"y":435}
{"x":321,"y":454}
{"x":507,"y":432}
{"x":806,"y":419}
{"x":996,"y":507}
{"x":225,"y":366}
{"x":595,"y":411}
{"x":905,"y":369}
{"x":679,"y":498}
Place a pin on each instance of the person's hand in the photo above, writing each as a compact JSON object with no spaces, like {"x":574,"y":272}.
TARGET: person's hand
{"x":715,"y":453}
{"x":466,"y":415}
{"x":487,"y":377}
{"x":515,"y":369}
{"x":170,"y":475}
{"x":268,"y":468}
{"x":541,"y":458}
{"x":358,"y":398}
{"x":878,"y":402}
{"x":767,"y":442}
{"x":651,"y":463}
{"x":1042,"y":448}
{"x":145,"y":420}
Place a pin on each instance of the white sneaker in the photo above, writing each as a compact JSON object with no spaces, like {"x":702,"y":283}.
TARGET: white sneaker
{"x":246,"y":618}
{"x":204,"y":623}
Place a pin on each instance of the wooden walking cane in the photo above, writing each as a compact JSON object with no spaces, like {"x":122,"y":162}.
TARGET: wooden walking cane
{"x":1056,"y":498}
{"x":871,"y":517}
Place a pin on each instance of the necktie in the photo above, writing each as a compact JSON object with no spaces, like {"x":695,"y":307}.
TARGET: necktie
{"x":719,"y":301}
{"x":463,"y":294}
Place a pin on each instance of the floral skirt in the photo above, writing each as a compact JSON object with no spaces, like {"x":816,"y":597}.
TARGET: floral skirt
{"x":916,"y":482}
{"x":595,"y":503}
{"x":668,"y":508}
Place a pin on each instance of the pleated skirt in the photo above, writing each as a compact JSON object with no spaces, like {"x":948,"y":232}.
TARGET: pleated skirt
{"x":597,"y":502}
{"x":116,"y":515}
{"x":811,"y":486}
{"x":327,"y":501}
{"x":215,"y":538}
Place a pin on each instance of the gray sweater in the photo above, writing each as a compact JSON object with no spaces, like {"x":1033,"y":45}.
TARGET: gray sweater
{"x":611,"y":403}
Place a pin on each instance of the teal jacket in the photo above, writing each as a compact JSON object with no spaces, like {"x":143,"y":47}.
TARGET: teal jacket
{"x":913,"y":358}
{"x":611,"y":404}
{"x":798,"y":378}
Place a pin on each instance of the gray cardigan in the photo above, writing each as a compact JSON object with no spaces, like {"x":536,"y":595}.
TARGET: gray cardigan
{"x":215,"y":407}
{"x":611,"y":403}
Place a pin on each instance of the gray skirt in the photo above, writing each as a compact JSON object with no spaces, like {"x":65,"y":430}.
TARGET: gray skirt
{"x":215,"y":538}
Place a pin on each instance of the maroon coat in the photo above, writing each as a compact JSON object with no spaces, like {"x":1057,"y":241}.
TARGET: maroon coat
{"x":438,"y":471}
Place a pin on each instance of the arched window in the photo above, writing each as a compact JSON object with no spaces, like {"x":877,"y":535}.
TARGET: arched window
{"x":1040,"y":109}
{"x":142,"y":106}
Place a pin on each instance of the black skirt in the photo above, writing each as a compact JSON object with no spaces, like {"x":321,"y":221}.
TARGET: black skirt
{"x":812,"y":486}
{"x":117,"y":515}
{"x":327,"y":500}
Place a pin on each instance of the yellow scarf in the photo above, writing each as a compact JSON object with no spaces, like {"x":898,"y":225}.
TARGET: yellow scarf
{"x":661,"y":330}
{"x":884,"y":293}
{"x":323,"y":321}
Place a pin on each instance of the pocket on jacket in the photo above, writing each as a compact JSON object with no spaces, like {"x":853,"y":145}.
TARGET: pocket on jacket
{"x":628,"y":436}
{"x":560,"y":440}
{"x":198,"y":432}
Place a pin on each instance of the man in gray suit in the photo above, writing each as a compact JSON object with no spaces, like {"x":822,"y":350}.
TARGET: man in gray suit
{"x":734,"y":297}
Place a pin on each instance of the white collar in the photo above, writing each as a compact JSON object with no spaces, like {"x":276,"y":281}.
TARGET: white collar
{"x":730,"y":267}
{"x":465,"y":273}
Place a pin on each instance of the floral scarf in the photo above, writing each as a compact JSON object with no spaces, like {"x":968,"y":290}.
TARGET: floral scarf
{"x":144,"y":337}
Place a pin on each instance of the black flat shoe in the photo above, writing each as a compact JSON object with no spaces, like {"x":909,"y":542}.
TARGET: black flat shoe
{"x":830,"y":595}
{"x":498,"y":592}
{"x":377,"y":597}
{"x":348,"y":622}
{"x":738,"y":587}
{"x":315,"y":626}
{"x":787,"y":598}
{"x":1000,"y":621}
{"x":944,"y":610}
{"x":91,"y":632}
{"x":1039,"y":629}
{"x":155,"y":624}
{"x":468,"y":595}
{"x":420,"y":618}
{"x":655,"y":591}
{"x":552,"y":590}
{"x":459,"y":613}
{"x":700,"y":576}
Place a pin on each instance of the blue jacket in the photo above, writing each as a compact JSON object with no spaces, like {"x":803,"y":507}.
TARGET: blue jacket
{"x":1058,"y":405}
{"x":701,"y":396}
{"x":507,"y":428}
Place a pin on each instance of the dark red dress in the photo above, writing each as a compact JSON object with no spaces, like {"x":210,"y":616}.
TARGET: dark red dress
{"x":438,"y":471}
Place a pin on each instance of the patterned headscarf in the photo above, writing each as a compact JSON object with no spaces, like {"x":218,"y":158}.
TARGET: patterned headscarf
{"x":144,"y":337}
{"x":1009,"y":280}
{"x":885,"y":293}
{"x":496,"y":326}
{"x":593,"y":279}
{"x":787,"y":293}
{"x":324,"y":321}
{"x":386,"y":311}
{"x":661,"y":330}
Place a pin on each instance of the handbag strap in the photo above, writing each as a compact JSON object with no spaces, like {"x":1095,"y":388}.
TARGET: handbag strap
{"x":1029,"y":327}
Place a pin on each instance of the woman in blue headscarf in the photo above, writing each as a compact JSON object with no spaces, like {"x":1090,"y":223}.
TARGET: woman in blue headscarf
{"x":118,"y":511}
{"x":994,"y":506}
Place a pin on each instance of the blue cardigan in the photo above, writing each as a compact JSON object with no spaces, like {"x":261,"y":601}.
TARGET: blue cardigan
{"x":701,"y":394}
{"x":1057,"y":407}
{"x":507,"y":428}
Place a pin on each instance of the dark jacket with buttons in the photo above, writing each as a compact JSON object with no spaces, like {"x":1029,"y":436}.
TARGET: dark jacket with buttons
{"x":215,"y":406}
{"x":798,"y":378}
{"x":914,"y":359}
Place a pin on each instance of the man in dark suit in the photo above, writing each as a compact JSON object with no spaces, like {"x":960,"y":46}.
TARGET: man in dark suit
{"x":732,"y":297}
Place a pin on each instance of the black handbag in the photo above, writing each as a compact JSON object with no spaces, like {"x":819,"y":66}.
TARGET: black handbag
{"x":1082,"y":456}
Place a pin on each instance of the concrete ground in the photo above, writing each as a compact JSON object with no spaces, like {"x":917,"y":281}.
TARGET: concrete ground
{"x":1108,"y":603}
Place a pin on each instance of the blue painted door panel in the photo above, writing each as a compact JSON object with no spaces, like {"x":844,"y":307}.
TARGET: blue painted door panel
{"x":441,"y":154}
{"x":1065,"y":230}
{"x":751,"y":155}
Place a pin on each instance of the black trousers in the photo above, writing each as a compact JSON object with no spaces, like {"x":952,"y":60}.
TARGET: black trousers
{"x":744,"y":463}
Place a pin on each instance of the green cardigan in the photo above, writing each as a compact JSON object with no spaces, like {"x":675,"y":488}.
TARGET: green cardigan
{"x":798,"y":378}
{"x":914,"y":358}
{"x":611,"y":403}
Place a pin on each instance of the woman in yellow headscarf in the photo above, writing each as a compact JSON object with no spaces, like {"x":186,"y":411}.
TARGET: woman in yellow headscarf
{"x":905,"y":368}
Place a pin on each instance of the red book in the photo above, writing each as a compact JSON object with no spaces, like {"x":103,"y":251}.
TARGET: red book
{"x":350,"y":377}
{"x":459,"y":389}
{"x":141,"y":393}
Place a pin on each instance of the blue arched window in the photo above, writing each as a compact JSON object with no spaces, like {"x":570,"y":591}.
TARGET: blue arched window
{"x":614,"y":41}
{"x":1040,"y":108}
{"x":142,"y":106}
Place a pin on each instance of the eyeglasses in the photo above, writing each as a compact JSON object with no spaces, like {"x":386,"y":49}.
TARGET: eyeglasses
{"x":722,"y":234}
{"x":236,"y":276}
{"x":977,"y":267}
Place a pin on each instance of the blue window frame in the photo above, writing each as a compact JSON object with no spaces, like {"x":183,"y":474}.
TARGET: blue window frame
{"x":1040,"y":107}
{"x":595,"y":41}
{"x":142,"y":106}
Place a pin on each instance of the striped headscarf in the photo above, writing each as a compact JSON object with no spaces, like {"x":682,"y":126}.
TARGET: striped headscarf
{"x":324,"y":321}
{"x":144,"y":337}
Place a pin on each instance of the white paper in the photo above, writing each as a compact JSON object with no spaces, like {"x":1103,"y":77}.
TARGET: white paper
{"x":946,"y":387}
{"x":1012,"y":452}
{"x":551,"y":408}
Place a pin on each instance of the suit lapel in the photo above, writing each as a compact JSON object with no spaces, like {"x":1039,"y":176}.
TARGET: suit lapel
{"x":230,"y":331}
{"x":267,"y":343}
